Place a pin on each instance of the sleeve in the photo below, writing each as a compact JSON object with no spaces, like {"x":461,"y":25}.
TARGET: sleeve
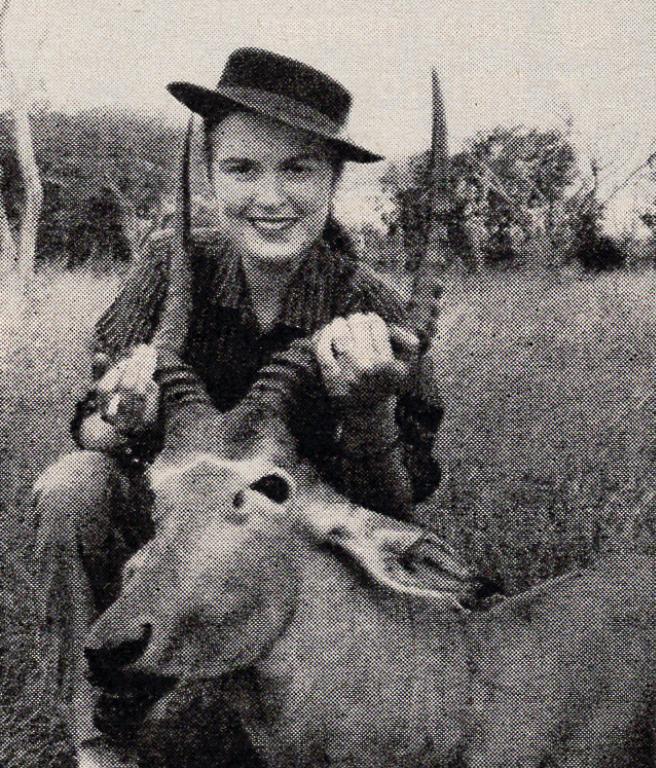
{"x":132,"y":317}
{"x":420,"y":409}
{"x":131,"y":320}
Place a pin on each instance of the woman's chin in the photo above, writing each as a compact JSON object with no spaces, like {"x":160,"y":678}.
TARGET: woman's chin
{"x":275,"y":252}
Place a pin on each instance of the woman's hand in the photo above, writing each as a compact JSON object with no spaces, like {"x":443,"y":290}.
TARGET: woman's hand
{"x":128,"y":395}
{"x":357,"y":362}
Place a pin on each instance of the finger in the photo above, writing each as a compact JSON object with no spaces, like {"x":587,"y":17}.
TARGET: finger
{"x":139,"y":374}
{"x":404,"y":342}
{"x":139,"y":370}
{"x":147,"y":354}
{"x":110,"y":413}
{"x":112,"y":378}
{"x":130,"y":377}
{"x":342,"y":337}
{"x":325,"y":354}
{"x":380,"y":337}
{"x":362,"y":353}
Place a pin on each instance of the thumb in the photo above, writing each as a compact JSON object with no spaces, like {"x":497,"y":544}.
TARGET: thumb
{"x":405,"y":343}
{"x":100,"y":365}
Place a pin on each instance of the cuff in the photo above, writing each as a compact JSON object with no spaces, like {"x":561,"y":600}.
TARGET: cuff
{"x":178,"y":381}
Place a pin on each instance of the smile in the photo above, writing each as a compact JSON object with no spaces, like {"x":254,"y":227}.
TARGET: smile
{"x":271,"y":225}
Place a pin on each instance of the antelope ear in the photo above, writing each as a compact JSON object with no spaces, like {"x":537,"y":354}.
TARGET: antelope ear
{"x":404,"y":558}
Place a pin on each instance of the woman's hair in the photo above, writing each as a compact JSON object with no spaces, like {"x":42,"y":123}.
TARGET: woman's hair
{"x":338,"y":238}
{"x":210,"y":125}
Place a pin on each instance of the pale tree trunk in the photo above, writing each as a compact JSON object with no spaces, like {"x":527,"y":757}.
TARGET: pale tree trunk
{"x":23,"y":249}
{"x":477,"y":230}
{"x":474,"y":226}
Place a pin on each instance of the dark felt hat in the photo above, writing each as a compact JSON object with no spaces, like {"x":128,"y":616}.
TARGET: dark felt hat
{"x":283,"y":89}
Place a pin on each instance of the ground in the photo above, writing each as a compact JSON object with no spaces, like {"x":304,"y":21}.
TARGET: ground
{"x":548,"y":446}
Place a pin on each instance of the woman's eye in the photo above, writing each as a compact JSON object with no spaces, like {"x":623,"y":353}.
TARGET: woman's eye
{"x":239,"y":169}
{"x":299,"y":169}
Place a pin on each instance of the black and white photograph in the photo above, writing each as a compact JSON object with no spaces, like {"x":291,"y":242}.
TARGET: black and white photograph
{"x":327,"y":370}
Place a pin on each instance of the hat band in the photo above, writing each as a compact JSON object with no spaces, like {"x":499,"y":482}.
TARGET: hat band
{"x":282,"y":107}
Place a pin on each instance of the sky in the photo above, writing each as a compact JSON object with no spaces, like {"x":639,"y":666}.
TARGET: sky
{"x":531,"y":62}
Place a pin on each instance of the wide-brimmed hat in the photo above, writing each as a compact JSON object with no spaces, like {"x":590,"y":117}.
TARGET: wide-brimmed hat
{"x":280,"y":88}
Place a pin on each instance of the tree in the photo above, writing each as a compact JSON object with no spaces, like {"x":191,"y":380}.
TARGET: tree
{"x":108,"y":154}
{"x":119,"y":161}
{"x":21,"y":248}
{"x":504,"y":181}
{"x":528,"y":161}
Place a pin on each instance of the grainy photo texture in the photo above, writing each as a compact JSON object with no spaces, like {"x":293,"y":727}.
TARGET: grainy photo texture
{"x":327,"y":363}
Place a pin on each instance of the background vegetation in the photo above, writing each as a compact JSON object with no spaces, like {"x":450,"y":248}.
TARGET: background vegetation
{"x":522,"y":197}
{"x":548,"y":446}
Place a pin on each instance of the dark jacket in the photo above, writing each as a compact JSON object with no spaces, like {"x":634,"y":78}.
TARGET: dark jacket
{"x":226,"y":347}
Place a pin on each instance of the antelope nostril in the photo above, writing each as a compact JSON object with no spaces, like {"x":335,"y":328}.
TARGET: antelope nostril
{"x":238,"y":500}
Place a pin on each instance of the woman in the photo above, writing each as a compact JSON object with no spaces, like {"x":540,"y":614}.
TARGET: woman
{"x":277,"y":268}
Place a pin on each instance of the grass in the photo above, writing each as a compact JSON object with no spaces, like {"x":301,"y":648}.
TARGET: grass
{"x":43,"y":367}
{"x":548,"y":446}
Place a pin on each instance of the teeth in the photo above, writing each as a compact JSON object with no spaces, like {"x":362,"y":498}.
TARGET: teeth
{"x":272,"y":225}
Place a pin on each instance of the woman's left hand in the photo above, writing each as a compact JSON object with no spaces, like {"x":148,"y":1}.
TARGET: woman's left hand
{"x":357,"y":362}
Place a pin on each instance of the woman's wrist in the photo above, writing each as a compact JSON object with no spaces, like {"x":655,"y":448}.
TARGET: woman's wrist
{"x":372,"y":430}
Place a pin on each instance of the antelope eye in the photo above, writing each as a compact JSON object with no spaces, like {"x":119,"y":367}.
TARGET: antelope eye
{"x":238,"y":500}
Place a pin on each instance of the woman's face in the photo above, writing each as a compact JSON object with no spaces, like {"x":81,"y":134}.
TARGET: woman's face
{"x":274,"y":186}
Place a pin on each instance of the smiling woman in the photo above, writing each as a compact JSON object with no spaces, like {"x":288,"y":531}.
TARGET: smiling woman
{"x":275,"y":186}
{"x":278,"y":268}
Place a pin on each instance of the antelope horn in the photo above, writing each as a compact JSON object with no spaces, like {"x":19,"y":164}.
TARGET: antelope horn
{"x":171,"y":333}
{"x":174,"y":325}
{"x":424,"y":303}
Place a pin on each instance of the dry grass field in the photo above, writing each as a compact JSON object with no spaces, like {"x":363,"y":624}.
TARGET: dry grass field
{"x":548,"y":446}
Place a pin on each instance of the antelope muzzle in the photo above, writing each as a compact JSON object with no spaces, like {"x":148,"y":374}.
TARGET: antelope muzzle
{"x":127,"y":693}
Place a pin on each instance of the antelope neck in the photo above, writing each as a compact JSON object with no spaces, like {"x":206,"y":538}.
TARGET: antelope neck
{"x":344,"y":638}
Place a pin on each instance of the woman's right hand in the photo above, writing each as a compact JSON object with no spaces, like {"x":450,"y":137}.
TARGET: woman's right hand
{"x":128,"y":395}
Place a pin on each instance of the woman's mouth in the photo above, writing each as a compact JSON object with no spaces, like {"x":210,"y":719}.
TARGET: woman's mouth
{"x":271,"y":225}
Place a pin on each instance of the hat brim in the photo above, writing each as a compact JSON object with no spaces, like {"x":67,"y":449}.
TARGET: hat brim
{"x":214,"y":102}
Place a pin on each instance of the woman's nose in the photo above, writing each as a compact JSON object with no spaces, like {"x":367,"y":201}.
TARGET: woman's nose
{"x":269,"y":191}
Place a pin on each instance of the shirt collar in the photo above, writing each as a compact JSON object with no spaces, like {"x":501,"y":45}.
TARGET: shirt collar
{"x":307,"y":303}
